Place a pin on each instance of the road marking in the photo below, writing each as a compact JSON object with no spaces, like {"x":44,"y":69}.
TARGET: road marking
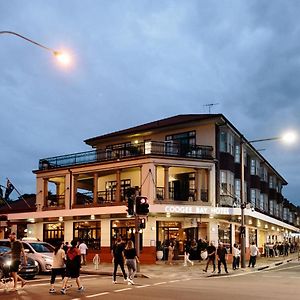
{"x":122,"y":290}
{"x":172,"y":281}
{"x":286,"y":268}
{"x":272,"y":276}
{"x":96,"y":295}
{"x":142,"y":286}
{"x":159,"y":283}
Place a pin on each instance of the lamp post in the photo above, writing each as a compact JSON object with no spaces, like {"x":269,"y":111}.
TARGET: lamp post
{"x":62,"y":57}
{"x":289,"y":137}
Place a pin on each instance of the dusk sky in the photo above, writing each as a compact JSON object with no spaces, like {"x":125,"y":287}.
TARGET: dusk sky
{"x":140,"y":61}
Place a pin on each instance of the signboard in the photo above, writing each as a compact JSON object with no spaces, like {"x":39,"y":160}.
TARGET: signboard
{"x":202,"y":210}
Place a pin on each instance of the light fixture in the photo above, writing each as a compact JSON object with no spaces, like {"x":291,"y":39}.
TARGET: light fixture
{"x":211,"y":216}
{"x":266,"y":226}
{"x":168,"y":215}
{"x":92,"y":217}
{"x":152,"y":228}
{"x":60,"y":219}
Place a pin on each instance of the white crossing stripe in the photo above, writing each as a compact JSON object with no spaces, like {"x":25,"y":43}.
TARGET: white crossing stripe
{"x":122,"y":290}
{"x":159,"y":283}
{"x":142,"y":286}
{"x":96,"y":295}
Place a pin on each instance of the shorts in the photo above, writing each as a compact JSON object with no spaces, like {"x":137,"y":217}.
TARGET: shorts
{"x":14,"y":267}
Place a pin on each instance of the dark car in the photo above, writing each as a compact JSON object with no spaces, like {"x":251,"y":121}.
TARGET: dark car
{"x":26,"y":271}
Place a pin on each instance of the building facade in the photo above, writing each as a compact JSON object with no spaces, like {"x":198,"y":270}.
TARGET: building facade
{"x":188,"y":166}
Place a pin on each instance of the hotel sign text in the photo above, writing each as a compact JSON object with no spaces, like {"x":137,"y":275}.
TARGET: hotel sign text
{"x":204,"y":210}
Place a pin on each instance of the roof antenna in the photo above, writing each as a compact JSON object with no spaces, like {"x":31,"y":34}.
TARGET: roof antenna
{"x":210,"y":105}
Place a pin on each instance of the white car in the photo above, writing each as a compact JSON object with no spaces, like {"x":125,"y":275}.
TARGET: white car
{"x":40,"y":252}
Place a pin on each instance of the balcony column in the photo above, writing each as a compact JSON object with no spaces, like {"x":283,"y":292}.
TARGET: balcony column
{"x":74,"y":189}
{"x":118,"y":186}
{"x":198,"y":184}
{"x":95,"y":189}
{"x":45,"y":192}
{"x":166,"y":183}
{"x":211,"y":185}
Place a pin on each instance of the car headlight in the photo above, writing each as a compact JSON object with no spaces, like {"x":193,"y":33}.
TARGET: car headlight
{"x":36,"y":263}
{"x":8,"y":263}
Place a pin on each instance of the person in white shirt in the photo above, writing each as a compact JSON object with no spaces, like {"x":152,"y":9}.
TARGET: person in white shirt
{"x":253,"y":254}
{"x":236,"y":257}
{"x":58,"y":266}
{"x":83,"y":249}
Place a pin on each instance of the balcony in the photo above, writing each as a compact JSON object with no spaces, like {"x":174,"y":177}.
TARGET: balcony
{"x":165,"y":149}
{"x":189,"y":195}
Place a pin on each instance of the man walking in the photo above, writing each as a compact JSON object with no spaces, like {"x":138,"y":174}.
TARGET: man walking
{"x":253,"y":254}
{"x":16,"y":251}
{"x":83,"y":248}
{"x":118,"y":259}
{"x":222,"y":257}
{"x":211,"y":256}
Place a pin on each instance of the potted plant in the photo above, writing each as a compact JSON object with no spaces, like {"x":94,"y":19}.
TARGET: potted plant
{"x":159,"y":251}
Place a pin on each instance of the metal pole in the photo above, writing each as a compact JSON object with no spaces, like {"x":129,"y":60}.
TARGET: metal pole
{"x":243,"y":205}
{"x":137,"y":240}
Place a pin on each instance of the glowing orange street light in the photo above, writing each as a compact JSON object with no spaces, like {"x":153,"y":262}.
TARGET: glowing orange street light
{"x":63,"y":57}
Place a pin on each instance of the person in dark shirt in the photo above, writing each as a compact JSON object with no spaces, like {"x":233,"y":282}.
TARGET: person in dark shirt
{"x":118,"y":259}
{"x":222,"y":257}
{"x":131,"y":260}
{"x":211,"y":256}
{"x":16,"y":251}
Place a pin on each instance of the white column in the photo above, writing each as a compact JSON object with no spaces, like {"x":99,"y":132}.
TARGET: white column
{"x":212,"y":185}
{"x":149,"y":234}
{"x":247,"y":237}
{"x":166,"y":183}
{"x":232,"y":234}
{"x":105,"y":233}
{"x":68,"y":231}
{"x":213,"y":235}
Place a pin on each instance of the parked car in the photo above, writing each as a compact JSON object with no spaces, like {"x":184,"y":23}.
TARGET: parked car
{"x":41,"y":252}
{"x":27,"y":271}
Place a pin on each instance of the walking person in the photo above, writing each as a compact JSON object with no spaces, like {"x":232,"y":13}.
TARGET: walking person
{"x":131,"y":261}
{"x":118,"y":259}
{"x":58,"y":266}
{"x":235,"y":257}
{"x":253,"y":254}
{"x":83,"y":251}
{"x":170,"y":253}
{"x":16,"y":252}
{"x":72,"y":268}
{"x":187,"y":253}
{"x":222,"y":257}
{"x":211,"y":256}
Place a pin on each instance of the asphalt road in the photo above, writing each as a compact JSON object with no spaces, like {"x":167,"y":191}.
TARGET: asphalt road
{"x":279,"y":283}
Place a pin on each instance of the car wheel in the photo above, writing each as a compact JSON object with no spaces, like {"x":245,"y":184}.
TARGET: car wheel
{"x":39,"y":268}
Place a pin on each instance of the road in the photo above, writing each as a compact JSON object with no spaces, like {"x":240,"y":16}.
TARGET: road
{"x":279,"y":283}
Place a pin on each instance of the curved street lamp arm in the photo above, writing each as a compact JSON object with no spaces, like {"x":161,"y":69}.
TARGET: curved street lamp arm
{"x":29,"y":40}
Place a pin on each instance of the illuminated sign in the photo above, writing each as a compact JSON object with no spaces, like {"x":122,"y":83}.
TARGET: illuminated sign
{"x":203,"y":210}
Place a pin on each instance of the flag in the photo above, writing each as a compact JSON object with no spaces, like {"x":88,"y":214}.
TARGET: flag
{"x":9,"y":189}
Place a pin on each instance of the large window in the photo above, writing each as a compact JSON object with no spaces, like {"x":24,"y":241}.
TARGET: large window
{"x":254,"y":197}
{"x":255,"y":167}
{"x":227,"y":183}
{"x":111,"y":186}
{"x":264,"y":174}
{"x":180,"y":142}
{"x":124,"y":229}
{"x":89,"y":232}
{"x":227,"y":142}
{"x":272,"y":182}
{"x":237,"y":154}
{"x":237,"y":189}
{"x":271,"y":207}
{"x":53,"y":233}
{"x":224,"y":234}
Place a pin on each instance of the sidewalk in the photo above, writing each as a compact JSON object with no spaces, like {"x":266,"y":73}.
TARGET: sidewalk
{"x":177,"y":270}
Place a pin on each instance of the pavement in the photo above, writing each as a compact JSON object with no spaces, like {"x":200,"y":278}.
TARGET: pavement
{"x":177,"y":270}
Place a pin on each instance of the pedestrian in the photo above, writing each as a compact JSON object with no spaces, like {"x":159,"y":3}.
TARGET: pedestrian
{"x":72,"y":268}
{"x":253,"y":254}
{"x":222,"y":257}
{"x":83,"y":251}
{"x":66,"y":247}
{"x":16,"y":252}
{"x":211,"y":256}
{"x":131,"y":261}
{"x":170,"y":253}
{"x":235,"y":257}
{"x":118,"y":259}
{"x":187,"y":253}
{"x":58,"y":265}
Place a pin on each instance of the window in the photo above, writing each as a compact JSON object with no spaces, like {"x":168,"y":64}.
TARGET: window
{"x":266,"y":204}
{"x":271,"y":208}
{"x":237,"y":154}
{"x":261,"y":202}
{"x":53,"y":233}
{"x":272,"y":182}
{"x":227,"y":183}
{"x":254,"y":167}
{"x":227,"y":142}
{"x":237,"y":189}
{"x":264,"y":174}
{"x":223,"y":183}
{"x":89,"y":232}
{"x":254,"y":194}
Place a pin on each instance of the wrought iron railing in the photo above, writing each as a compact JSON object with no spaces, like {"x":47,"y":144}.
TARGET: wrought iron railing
{"x":147,"y":148}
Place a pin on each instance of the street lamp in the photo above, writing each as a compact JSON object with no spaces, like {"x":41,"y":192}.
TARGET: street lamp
{"x":288,"y":138}
{"x":62,"y":57}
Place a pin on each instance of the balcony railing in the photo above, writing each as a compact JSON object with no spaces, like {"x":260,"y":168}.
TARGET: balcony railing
{"x":190,"y":196}
{"x":143,"y":149}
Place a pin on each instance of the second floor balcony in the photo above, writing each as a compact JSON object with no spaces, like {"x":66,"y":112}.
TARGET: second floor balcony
{"x":168,"y":149}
